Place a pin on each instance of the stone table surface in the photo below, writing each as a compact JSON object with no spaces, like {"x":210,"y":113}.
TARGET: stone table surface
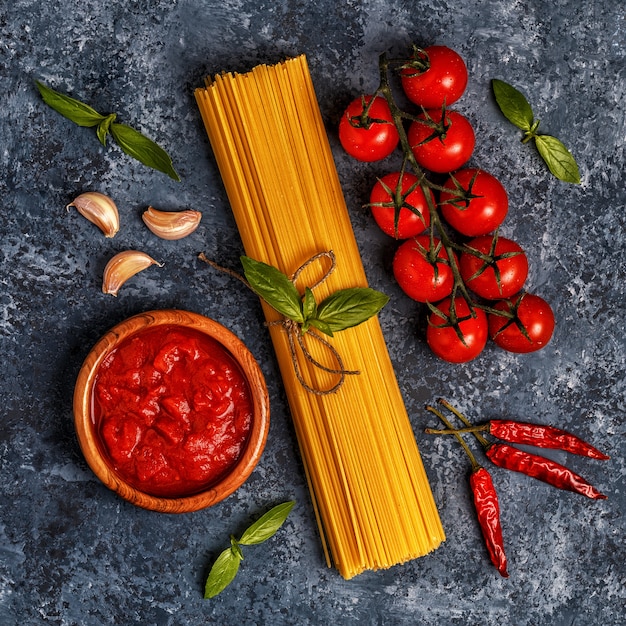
{"x":74,"y":553}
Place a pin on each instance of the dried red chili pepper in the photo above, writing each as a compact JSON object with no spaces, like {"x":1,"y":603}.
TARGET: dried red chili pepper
{"x":530,"y":434}
{"x":532,"y":465}
{"x":485,"y":503}
{"x":542,"y":437}
{"x":551,"y":472}
{"x":488,"y":511}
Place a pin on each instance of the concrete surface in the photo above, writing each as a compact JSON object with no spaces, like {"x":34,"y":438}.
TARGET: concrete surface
{"x":71,"y":551}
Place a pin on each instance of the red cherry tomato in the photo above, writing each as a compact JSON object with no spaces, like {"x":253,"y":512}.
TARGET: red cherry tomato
{"x":531,"y":327}
{"x":499,"y":271}
{"x":371,"y":137}
{"x":443,"y":150}
{"x":399,"y":205}
{"x":422,"y":274}
{"x":439,"y":76}
{"x":482,"y":205}
{"x":443,"y":339}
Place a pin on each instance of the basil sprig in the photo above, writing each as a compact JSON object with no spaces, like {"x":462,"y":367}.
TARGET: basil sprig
{"x":131,"y":141}
{"x":227,"y":563}
{"x":342,"y":309}
{"x":518,"y":111}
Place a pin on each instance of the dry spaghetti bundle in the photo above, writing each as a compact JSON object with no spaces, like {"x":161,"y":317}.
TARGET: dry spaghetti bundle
{"x":371,"y":495}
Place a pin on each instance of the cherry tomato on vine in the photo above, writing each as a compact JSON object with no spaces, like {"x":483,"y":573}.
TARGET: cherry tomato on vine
{"x":399,"y":205}
{"x":530,"y":328}
{"x":442,"y":336}
{"x":443,"y":148}
{"x":424,"y":275}
{"x":437,"y":75}
{"x":369,"y":137}
{"x":497,"y":267}
{"x":481,"y":206}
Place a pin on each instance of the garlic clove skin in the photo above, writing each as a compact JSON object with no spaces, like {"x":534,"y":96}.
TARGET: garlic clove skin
{"x":171,"y":224}
{"x":122,"y":266}
{"x":98,"y":209}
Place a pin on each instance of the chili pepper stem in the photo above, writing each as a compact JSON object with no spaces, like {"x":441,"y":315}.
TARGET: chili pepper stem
{"x":475,"y":465}
{"x":455,"y":431}
{"x":464,"y":419}
{"x":485,"y":501}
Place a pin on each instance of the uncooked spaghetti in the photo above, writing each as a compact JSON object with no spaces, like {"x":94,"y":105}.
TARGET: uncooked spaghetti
{"x":372,"y":498}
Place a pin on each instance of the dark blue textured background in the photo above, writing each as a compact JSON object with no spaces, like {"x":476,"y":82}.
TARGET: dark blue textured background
{"x":72,"y":552}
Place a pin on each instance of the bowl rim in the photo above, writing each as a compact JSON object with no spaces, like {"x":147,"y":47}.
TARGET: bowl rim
{"x":88,"y":438}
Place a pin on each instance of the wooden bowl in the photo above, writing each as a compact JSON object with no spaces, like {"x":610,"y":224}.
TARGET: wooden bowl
{"x":91,"y":441}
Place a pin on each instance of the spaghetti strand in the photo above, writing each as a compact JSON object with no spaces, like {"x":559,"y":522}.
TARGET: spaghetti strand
{"x":371,"y":496}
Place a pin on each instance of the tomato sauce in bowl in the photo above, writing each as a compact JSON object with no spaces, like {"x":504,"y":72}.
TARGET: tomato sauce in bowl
{"x":171,"y":411}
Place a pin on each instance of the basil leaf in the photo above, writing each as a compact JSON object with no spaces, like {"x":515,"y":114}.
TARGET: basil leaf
{"x":516,"y":109}
{"x":132,"y":142}
{"x":222,"y":573}
{"x":146,"y":151}
{"x":227,"y":563}
{"x":75,"y":110}
{"x":321,"y":326}
{"x":103,"y":128}
{"x":274,"y":287}
{"x":267,"y":525}
{"x":513,"y":104}
{"x":236,"y":548}
{"x":309,"y":306}
{"x":558,"y":158}
{"x":350,"y":307}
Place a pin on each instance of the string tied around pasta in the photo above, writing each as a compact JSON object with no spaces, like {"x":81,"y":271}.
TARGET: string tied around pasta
{"x":295,"y":335}
{"x":296,"y":338}
{"x":302,"y":316}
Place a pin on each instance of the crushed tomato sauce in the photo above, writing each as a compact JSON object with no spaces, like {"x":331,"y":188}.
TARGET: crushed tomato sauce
{"x":173,"y":410}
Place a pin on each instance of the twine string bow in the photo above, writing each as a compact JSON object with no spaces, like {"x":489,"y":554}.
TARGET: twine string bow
{"x":293,"y":329}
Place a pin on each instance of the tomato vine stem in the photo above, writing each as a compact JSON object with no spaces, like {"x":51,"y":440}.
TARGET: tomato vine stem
{"x":399,"y":118}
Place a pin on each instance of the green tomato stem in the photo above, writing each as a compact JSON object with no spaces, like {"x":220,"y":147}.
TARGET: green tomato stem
{"x":399,"y":117}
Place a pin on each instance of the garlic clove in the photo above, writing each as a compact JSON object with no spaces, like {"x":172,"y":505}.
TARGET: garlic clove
{"x":122,"y":266}
{"x":171,"y":224}
{"x":98,"y":209}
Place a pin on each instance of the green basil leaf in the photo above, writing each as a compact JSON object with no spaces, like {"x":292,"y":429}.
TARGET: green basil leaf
{"x":222,"y":573}
{"x":274,"y":287}
{"x":558,"y":158}
{"x":75,"y":110}
{"x":267,"y":525}
{"x":235,"y":547}
{"x":310,"y":306}
{"x":102,"y":131}
{"x":513,"y":104}
{"x":103,"y":128}
{"x":350,"y":307}
{"x":146,"y":151}
{"x":321,"y":326}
